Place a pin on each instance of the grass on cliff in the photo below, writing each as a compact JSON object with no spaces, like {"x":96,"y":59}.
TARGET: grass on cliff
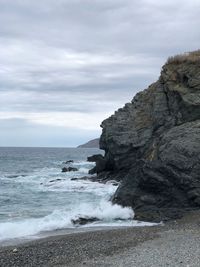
{"x":186,"y":57}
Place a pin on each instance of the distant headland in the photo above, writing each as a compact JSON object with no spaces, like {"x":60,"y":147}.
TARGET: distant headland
{"x":94,"y":143}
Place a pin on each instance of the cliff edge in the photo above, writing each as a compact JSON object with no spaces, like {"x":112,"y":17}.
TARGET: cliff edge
{"x":152,"y":145}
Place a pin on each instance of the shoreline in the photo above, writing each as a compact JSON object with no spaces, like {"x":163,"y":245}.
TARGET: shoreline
{"x":113,"y":247}
{"x":13,"y":242}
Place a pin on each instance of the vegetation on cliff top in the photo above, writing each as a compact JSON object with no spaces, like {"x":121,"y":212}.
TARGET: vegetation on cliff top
{"x":193,"y":56}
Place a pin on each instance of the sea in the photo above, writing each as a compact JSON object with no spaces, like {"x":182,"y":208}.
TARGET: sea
{"x":37,"y":199}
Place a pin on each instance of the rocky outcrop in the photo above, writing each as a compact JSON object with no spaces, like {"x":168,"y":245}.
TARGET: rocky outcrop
{"x":100,"y":163}
{"x":153,"y":144}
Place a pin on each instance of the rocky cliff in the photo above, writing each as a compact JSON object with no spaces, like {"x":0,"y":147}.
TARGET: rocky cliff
{"x":152,"y":145}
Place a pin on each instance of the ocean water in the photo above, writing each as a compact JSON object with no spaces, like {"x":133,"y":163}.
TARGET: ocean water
{"x":36,"y":197}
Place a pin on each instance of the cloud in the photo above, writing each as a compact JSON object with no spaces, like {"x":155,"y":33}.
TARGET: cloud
{"x":30,"y":134}
{"x":68,"y":62}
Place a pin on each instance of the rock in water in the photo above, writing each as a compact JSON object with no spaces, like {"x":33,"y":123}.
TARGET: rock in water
{"x":69,"y":169}
{"x":55,"y":180}
{"x":153,"y":144}
{"x":84,"y":220}
{"x":68,"y":161}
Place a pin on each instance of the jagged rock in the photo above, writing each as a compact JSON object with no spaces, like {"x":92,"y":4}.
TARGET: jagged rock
{"x":100,"y":163}
{"x":153,"y":144}
{"x":69,"y":169}
{"x":95,"y":158}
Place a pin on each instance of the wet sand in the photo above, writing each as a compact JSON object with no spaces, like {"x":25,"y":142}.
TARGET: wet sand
{"x":177,"y":243}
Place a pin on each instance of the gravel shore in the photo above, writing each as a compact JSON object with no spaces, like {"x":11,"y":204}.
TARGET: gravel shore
{"x":175,"y":244}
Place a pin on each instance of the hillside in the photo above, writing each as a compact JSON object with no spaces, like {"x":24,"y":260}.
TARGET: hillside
{"x":91,"y":144}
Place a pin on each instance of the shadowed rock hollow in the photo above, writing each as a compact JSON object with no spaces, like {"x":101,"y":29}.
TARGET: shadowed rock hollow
{"x":152,"y":145}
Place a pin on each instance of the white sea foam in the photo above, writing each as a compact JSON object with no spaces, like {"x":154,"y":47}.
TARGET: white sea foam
{"x":50,"y":190}
{"x":84,"y":163}
{"x":44,"y":175}
{"x":108,"y":214}
{"x":79,"y":186}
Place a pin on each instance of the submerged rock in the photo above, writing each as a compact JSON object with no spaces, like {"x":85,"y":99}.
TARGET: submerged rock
{"x":152,"y":145}
{"x":84,"y":178}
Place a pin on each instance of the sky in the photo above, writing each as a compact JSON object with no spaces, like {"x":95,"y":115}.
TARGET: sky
{"x":66,"y":65}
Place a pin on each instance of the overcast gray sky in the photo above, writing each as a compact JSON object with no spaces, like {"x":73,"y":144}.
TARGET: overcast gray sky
{"x":66,"y":65}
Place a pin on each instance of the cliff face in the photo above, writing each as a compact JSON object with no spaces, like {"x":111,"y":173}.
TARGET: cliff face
{"x":153,"y":144}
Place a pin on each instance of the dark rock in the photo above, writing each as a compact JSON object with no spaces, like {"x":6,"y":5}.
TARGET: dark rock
{"x":84,"y":178}
{"x":69,"y":169}
{"x":95,"y":158}
{"x":68,"y":161}
{"x":75,"y":179}
{"x":152,"y":145}
{"x":93,"y":170}
{"x":113,"y":182}
{"x":100,"y":163}
{"x":56,"y":180}
{"x":84,"y":220}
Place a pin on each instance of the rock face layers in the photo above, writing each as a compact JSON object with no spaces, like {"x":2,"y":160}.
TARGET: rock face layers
{"x":152,"y":145}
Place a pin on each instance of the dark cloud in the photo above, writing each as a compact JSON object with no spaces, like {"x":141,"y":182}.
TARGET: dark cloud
{"x":84,"y":58}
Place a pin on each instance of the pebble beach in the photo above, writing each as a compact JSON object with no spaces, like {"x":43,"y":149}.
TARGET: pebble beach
{"x":176,"y":243}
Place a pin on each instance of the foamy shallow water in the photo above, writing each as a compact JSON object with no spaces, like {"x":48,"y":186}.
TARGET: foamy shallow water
{"x":37,"y":198}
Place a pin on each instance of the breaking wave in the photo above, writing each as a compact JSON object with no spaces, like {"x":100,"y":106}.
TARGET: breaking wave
{"x":108,"y":215}
{"x":36,"y":197}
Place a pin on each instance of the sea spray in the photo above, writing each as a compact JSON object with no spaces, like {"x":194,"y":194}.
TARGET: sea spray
{"x":60,"y":219}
